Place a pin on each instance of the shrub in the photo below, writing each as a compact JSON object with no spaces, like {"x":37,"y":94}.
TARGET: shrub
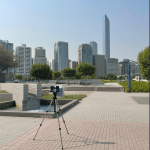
{"x":136,"y":86}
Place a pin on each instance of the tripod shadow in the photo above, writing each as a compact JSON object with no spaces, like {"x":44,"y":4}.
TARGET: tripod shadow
{"x":84,"y":141}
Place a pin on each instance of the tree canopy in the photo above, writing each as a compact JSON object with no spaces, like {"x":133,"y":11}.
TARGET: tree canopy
{"x":18,"y":76}
{"x":56,"y":74}
{"x":7,"y":59}
{"x":40,"y":71}
{"x":143,"y":59}
{"x":68,"y":72}
{"x":86,"y":69}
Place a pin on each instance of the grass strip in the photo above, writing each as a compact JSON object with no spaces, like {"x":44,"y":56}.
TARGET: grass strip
{"x":1,"y":101}
{"x":50,"y":96}
{"x":3,"y":91}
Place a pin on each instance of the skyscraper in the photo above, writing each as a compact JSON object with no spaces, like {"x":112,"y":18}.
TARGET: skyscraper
{"x":60,"y":56}
{"x":40,"y":56}
{"x":85,"y":54}
{"x":94,"y":47}
{"x":25,"y":53}
{"x":106,"y":37}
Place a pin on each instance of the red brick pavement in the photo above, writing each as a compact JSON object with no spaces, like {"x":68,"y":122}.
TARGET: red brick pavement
{"x":84,"y":135}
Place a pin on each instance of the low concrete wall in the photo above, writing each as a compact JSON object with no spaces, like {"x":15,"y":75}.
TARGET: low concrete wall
{"x":19,"y":92}
{"x":21,"y":97}
{"x":35,"y":89}
{"x":79,"y":88}
{"x":7,"y":104}
{"x":6,"y":96}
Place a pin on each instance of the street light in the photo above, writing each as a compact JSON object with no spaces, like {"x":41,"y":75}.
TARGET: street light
{"x":129,"y":74}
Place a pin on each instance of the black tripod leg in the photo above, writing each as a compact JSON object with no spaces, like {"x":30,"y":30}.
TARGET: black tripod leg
{"x":42,"y":120}
{"x":60,"y":130}
{"x":62,"y":116}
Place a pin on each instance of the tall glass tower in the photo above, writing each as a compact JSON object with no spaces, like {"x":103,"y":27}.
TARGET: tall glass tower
{"x":106,"y":37}
{"x":94,"y":47}
{"x":60,"y":56}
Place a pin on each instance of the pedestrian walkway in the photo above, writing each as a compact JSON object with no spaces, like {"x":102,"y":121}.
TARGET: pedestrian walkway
{"x":101,"y":121}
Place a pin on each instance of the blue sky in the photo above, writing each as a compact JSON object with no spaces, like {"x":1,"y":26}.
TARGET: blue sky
{"x":44,"y":22}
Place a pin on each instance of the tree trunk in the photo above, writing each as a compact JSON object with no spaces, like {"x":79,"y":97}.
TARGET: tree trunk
{"x":68,"y":80}
{"x":85,"y":79}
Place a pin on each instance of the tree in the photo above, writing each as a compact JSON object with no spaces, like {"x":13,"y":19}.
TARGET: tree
{"x":68,"y":72}
{"x":56,"y":74}
{"x":93,"y":76}
{"x":7,"y":59}
{"x":78,"y":75}
{"x":111,"y":76}
{"x":120,"y":77}
{"x":86,"y":69}
{"x":10,"y":76}
{"x":40,"y":71}
{"x":18,"y":76}
{"x":143,"y":59}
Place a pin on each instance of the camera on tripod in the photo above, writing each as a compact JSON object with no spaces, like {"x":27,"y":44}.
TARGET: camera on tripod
{"x":55,"y":89}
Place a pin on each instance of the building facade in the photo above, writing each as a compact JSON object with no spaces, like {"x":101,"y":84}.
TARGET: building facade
{"x":60,"y":56}
{"x":94,"y":47}
{"x":73,"y":64}
{"x":85,"y":54}
{"x":99,"y":61}
{"x":106,"y":37}
{"x":112,"y":66}
{"x":51,"y":64}
{"x":25,"y":53}
{"x":9,"y":47}
{"x":40,"y":56}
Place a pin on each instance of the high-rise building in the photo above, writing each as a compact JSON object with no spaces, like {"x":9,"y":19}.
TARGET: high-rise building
{"x":106,"y":37}
{"x":60,"y":56}
{"x":25,"y":53}
{"x":112,"y":66}
{"x":94,"y":47}
{"x":73,"y":64}
{"x":99,"y":61}
{"x":40,"y":56}
{"x":9,"y":47}
{"x":85,"y":54}
{"x":51,"y":64}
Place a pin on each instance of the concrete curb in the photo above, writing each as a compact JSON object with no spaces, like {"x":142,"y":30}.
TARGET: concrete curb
{"x":50,"y":115}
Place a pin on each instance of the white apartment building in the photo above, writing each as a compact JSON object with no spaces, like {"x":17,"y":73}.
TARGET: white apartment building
{"x":39,"y":56}
{"x":25,"y":53}
{"x":51,"y":64}
{"x":73,"y":64}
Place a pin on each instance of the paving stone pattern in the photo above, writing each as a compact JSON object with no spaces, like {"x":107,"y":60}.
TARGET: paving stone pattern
{"x":13,"y":127}
{"x":112,"y":121}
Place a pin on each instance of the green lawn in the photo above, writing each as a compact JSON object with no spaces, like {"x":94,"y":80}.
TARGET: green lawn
{"x":1,"y":101}
{"x":3,"y":91}
{"x":109,"y":81}
{"x":50,"y":96}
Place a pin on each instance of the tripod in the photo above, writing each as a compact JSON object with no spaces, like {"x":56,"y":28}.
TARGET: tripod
{"x":55,"y":101}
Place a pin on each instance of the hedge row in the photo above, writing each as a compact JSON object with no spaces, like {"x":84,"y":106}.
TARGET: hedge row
{"x":136,"y":86}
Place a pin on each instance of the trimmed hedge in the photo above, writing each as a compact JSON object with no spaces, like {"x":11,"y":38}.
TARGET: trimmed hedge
{"x":136,"y":86}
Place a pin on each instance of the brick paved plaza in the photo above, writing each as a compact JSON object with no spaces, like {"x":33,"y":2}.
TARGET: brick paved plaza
{"x":101,"y":121}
